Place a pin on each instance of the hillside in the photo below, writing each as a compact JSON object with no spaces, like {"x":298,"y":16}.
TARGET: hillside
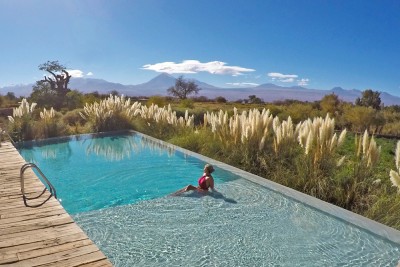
{"x":159,"y":85}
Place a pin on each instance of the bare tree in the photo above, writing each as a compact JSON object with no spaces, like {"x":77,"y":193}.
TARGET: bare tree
{"x":59,"y":78}
{"x":52,"y":90}
{"x":183,"y":88}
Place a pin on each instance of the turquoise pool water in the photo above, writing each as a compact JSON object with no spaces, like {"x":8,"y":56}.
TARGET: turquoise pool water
{"x":94,"y":172}
{"x":116,"y":188}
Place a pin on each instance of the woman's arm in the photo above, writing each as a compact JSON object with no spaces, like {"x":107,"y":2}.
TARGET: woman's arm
{"x":211,"y":183}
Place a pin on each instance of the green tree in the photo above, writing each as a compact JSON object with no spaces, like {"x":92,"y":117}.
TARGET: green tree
{"x":114,"y":92}
{"x":11,"y":96}
{"x":359,"y":118}
{"x":183,"y":88}
{"x":220,"y":99}
{"x":74,"y":99}
{"x":369,"y":98}
{"x":43,"y":95}
{"x":254,"y":100}
{"x":330,"y":104}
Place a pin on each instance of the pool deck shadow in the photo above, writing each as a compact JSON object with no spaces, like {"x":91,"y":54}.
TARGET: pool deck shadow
{"x":42,"y":236}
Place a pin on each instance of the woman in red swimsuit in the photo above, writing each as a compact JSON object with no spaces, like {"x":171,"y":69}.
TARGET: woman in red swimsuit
{"x":206,"y":181}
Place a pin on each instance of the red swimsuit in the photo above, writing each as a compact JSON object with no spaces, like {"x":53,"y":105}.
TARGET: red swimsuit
{"x":203,"y":183}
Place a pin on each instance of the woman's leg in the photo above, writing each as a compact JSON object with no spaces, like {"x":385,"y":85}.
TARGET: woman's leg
{"x":185,"y":189}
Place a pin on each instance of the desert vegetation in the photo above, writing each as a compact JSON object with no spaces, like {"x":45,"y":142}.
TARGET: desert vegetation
{"x":315,"y":154}
{"x":336,"y":151}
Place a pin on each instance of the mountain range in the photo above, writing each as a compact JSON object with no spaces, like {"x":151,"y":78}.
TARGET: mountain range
{"x":159,"y":85}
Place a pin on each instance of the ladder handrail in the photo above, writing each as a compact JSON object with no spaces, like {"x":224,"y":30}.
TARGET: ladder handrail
{"x":52,"y":190}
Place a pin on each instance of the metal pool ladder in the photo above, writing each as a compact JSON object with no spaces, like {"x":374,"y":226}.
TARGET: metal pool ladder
{"x":51,"y":188}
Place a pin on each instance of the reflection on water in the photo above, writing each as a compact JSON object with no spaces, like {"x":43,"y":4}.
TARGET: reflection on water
{"x":117,"y":148}
{"x":156,"y":146}
{"x":112,"y":148}
{"x":29,"y":156}
{"x":60,"y":151}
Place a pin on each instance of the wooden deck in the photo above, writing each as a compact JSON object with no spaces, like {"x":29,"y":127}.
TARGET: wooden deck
{"x":43,"y":236}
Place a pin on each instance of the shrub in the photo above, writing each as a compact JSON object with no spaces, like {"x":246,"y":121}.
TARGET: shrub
{"x":49,"y":125}
{"x":186,"y":103}
{"x":220,"y":99}
{"x":20,"y":125}
{"x":156,"y":100}
{"x":113,"y":113}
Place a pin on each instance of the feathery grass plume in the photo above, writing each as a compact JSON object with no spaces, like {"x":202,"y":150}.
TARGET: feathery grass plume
{"x":395,"y":179}
{"x":395,"y":175}
{"x":284,"y":134}
{"x":367,"y":155}
{"x":397,"y":153}
{"x":342,"y":137}
{"x":365,"y":142}
{"x":367,"y":151}
{"x":309,"y":142}
{"x":47,"y":115}
{"x":22,"y":110}
{"x":358,"y":145}
{"x":340,"y":162}
{"x":112,"y":113}
{"x":48,"y":126}
{"x":333,"y":142}
{"x":103,"y":114}
{"x":319,"y":142}
{"x":162,"y":115}
{"x":377,"y":181}
{"x":373,"y":153}
{"x":21,"y":122}
{"x":317,"y":137}
{"x":250,"y":127}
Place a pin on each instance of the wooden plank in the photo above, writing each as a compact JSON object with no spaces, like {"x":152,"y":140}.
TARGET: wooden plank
{"x":64,"y":255}
{"x":89,"y":258}
{"x":101,"y":263}
{"x":29,"y":214}
{"x":43,"y":223}
{"x":8,"y":258}
{"x":13,"y":205}
{"x":43,"y":236}
{"x":15,"y":239}
{"x":43,"y":244}
{"x":50,"y":250}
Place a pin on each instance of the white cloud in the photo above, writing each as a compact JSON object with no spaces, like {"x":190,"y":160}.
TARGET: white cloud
{"x":78,"y":73}
{"x":75,"y":73}
{"x":303,"y":81}
{"x":285,"y":78}
{"x":195,"y":66}
{"x":288,"y":78}
{"x":243,"y":84}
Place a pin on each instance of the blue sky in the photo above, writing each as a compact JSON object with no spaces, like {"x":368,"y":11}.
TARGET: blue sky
{"x":314,"y":43}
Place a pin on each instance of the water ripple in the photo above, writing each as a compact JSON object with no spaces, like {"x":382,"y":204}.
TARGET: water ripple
{"x":260,"y":228}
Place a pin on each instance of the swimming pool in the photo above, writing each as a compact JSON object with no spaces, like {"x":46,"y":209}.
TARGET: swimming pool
{"x":116,"y":188}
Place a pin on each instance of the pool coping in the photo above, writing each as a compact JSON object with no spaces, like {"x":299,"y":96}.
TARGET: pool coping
{"x":355,"y":219}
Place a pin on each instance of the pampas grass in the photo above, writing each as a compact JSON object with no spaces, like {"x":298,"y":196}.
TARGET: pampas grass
{"x":116,"y":113}
{"x":21,"y":123}
{"x":395,"y":175}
